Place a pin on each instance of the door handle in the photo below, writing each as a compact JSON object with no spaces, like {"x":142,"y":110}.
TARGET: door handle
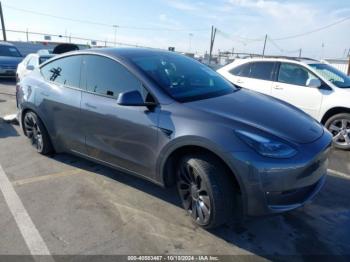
{"x":239,"y":81}
{"x":90,"y":106}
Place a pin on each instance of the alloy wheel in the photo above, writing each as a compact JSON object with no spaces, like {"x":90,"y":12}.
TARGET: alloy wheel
{"x":33,"y":131}
{"x":340,"y":128}
{"x":194,"y":194}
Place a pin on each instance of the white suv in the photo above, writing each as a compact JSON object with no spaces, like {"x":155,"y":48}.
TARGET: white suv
{"x":30,"y":62}
{"x":315,"y":87}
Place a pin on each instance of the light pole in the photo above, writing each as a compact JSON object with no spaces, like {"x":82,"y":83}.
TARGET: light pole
{"x":322,"y":50}
{"x":190,"y":38}
{"x":263,"y":53}
{"x":115,"y":34}
{"x":2,"y":23}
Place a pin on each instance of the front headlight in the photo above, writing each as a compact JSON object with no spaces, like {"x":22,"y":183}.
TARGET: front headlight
{"x":266,"y":146}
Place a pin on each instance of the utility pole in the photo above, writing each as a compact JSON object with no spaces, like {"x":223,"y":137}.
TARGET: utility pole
{"x":263,"y":54}
{"x":27,"y":34}
{"x":115,"y":34}
{"x":300,"y":50}
{"x":3,"y":24}
{"x":212,"y":39}
{"x":322,"y":50}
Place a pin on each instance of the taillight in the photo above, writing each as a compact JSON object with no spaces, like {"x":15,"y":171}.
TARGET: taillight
{"x":17,"y":90}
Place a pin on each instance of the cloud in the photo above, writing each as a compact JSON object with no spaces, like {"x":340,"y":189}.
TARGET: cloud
{"x":169,"y":22}
{"x":180,"y":5}
{"x":277,"y":9}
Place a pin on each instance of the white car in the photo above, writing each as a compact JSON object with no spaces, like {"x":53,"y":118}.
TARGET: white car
{"x":315,"y":87}
{"x":30,"y":62}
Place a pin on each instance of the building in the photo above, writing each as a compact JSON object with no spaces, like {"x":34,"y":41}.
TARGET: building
{"x":26,"y":48}
{"x":340,"y":64}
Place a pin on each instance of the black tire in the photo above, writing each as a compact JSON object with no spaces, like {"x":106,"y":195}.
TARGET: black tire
{"x":217,"y":192}
{"x":339,"y":126}
{"x":35,"y":130}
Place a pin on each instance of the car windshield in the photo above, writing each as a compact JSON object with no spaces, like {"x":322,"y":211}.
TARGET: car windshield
{"x":183,"y":78}
{"x":332,"y":74}
{"x":9,"y":51}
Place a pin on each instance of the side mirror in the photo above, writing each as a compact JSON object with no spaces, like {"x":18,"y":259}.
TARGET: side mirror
{"x":132,"y":98}
{"x":314,"y":83}
{"x":30,"y":67}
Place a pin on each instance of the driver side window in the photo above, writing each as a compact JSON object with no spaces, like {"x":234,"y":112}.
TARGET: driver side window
{"x":107,"y":77}
{"x":294,"y":74}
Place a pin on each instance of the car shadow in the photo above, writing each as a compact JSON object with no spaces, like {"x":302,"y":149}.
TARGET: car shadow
{"x":320,"y":228}
{"x":7,"y":130}
{"x":141,"y":184}
{"x":7,"y":81}
{"x":340,"y":160}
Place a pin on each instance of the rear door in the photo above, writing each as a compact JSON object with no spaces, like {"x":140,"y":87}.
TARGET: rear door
{"x":291,"y":86}
{"x":58,"y":98}
{"x":122,"y":136}
{"x":257,"y":76}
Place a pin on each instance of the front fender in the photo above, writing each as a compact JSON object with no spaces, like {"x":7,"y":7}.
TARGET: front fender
{"x":206,"y":144}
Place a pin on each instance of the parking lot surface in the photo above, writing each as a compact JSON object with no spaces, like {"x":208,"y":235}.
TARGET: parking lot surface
{"x":81,"y":208}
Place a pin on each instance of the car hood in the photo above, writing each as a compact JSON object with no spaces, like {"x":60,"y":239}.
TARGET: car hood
{"x":265,"y":113}
{"x":9,"y":60}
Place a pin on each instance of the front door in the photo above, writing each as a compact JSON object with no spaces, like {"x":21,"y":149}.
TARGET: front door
{"x":122,"y":136}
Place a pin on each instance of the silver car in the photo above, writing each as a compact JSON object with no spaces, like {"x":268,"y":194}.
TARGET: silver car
{"x":171,"y":120}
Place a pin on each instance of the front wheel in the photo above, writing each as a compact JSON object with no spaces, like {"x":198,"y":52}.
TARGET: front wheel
{"x":339,"y":126}
{"x":206,"y":190}
{"x":35,"y":130}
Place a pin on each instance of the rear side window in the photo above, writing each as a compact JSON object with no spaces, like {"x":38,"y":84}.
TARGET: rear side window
{"x":64,"y":71}
{"x":262,"y":70}
{"x":242,"y":70}
{"x":107,"y":77}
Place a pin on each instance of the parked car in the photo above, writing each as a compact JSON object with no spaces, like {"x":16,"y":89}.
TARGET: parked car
{"x":174,"y":121}
{"x":30,"y":62}
{"x":10,"y":57}
{"x":317,"y":88}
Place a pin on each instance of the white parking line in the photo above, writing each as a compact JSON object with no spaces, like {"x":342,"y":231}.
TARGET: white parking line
{"x":31,"y":235}
{"x":337,"y":173}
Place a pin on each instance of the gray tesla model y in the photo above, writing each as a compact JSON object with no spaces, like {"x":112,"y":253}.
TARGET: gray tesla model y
{"x":174,"y":121}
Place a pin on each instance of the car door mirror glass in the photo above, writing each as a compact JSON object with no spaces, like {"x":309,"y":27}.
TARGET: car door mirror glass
{"x":314,"y":82}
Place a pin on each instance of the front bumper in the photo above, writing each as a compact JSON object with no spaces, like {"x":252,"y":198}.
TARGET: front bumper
{"x":271,"y":186}
{"x":8,"y":73}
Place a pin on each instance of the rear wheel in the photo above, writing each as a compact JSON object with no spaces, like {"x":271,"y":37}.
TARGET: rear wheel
{"x":206,"y":191}
{"x":339,"y":126}
{"x":36,"y":132}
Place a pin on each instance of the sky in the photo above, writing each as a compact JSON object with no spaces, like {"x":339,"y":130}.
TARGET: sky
{"x":186,"y":25}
